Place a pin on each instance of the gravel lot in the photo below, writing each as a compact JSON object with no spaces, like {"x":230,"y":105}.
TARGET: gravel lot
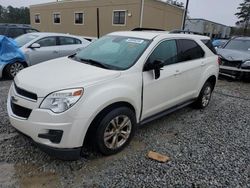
{"x":208,"y":148}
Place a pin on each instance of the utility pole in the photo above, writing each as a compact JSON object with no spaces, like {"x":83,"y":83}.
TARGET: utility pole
{"x":142,"y":12}
{"x":185,"y":15}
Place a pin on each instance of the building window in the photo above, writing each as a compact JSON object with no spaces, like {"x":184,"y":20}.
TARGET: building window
{"x":37,"y":18}
{"x":79,"y":18}
{"x":119,"y":17}
{"x":57,"y":18}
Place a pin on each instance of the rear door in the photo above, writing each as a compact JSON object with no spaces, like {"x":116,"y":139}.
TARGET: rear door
{"x":48,"y":50}
{"x":69,"y":45}
{"x":191,"y":60}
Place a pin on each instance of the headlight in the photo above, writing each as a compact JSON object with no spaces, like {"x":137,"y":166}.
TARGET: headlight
{"x":246,"y":64}
{"x":61,"y":101}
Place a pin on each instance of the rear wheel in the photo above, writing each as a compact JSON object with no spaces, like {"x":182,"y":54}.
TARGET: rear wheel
{"x":115,"y":130}
{"x":13,"y":68}
{"x":205,"y":96}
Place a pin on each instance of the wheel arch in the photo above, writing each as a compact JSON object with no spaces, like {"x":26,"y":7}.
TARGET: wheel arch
{"x":94,"y":124}
{"x":212,"y":79}
{"x":4,"y":68}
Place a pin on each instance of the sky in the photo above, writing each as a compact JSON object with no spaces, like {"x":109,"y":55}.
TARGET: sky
{"x":221,"y":11}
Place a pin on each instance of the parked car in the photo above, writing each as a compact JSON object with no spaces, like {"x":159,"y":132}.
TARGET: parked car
{"x":235,"y":58}
{"x":219,"y":43}
{"x":15,"y":30}
{"x":101,"y":94}
{"x":39,"y":47}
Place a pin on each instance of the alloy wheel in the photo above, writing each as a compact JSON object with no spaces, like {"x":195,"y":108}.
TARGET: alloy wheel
{"x":206,"y":96}
{"x":15,"y":68}
{"x":117,"y":132}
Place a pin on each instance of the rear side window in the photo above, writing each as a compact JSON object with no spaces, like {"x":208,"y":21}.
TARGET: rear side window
{"x":165,"y":51}
{"x":189,"y":50}
{"x":69,"y":41}
{"x":209,"y":44}
{"x":15,"y":32}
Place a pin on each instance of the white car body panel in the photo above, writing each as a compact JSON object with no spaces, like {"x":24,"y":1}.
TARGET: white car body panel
{"x":104,"y":87}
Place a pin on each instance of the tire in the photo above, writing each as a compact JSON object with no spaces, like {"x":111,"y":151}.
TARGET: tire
{"x":117,"y":137}
{"x":13,"y":68}
{"x":204,"y":97}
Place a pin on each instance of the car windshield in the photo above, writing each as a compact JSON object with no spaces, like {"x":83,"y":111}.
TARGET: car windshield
{"x":236,"y":44}
{"x":113,"y":52}
{"x":24,"y":39}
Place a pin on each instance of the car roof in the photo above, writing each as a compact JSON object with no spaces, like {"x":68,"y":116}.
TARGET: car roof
{"x":153,"y":34}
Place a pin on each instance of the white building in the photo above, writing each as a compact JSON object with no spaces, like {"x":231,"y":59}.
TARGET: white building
{"x":209,"y":28}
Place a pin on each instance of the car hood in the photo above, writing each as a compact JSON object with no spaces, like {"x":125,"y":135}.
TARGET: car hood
{"x":61,"y":73}
{"x":233,"y":55}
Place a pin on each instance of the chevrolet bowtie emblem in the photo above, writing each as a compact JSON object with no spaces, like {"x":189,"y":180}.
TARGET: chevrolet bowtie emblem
{"x":14,"y":99}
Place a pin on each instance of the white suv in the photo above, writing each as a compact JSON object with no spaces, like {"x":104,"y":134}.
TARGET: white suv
{"x":103,"y":92}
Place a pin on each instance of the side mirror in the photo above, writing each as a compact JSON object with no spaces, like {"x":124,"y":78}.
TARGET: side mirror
{"x":35,"y":45}
{"x":156,"y":66}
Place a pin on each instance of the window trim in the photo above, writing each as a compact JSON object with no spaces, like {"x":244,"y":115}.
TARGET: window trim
{"x":37,"y":14}
{"x":53,"y":18}
{"x":83,"y":17}
{"x":125,"y":21}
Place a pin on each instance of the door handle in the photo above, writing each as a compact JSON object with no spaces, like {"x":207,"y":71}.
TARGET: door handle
{"x":203,"y":64}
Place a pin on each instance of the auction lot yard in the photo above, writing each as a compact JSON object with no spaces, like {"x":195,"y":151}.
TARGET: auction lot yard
{"x":208,"y":148}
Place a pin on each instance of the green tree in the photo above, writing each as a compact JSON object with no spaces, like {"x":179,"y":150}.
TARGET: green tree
{"x":14,"y":15}
{"x":244,"y":15}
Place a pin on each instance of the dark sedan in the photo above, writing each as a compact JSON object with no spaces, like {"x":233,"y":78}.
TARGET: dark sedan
{"x":235,"y":58}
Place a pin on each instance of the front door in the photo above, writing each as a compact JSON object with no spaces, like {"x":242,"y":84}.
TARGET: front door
{"x":48,"y":50}
{"x":164,"y":92}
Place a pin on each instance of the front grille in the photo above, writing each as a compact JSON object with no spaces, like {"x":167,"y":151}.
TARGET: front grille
{"x":25,"y":93}
{"x":20,"y":111}
{"x":225,"y":62}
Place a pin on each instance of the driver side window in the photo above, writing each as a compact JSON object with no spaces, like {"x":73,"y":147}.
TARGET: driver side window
{"x":165,"y":51}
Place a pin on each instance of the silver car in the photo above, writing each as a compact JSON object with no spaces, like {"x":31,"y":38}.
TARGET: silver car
{"x":40,"y":47}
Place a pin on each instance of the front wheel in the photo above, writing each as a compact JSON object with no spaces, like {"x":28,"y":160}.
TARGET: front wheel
{"x":205,"y":96}
{"x":12,"y":69}
{"x":115,"y":130}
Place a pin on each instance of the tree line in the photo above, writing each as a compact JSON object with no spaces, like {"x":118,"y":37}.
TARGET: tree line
{"x":243,"y":15}
{"x":14,"y":15}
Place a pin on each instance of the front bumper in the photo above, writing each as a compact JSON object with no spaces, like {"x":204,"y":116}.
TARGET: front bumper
{"x":59,"y":153}
{"x":234,"y":72}
{"x":41,"y":122}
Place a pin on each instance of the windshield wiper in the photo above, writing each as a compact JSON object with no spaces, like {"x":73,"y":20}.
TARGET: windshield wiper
{"x":72,"y":56}
{"x":95,"y":63}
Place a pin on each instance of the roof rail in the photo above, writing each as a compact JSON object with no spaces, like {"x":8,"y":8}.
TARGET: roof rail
{"x":184,"y":32}
{"x":146,"y":29}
